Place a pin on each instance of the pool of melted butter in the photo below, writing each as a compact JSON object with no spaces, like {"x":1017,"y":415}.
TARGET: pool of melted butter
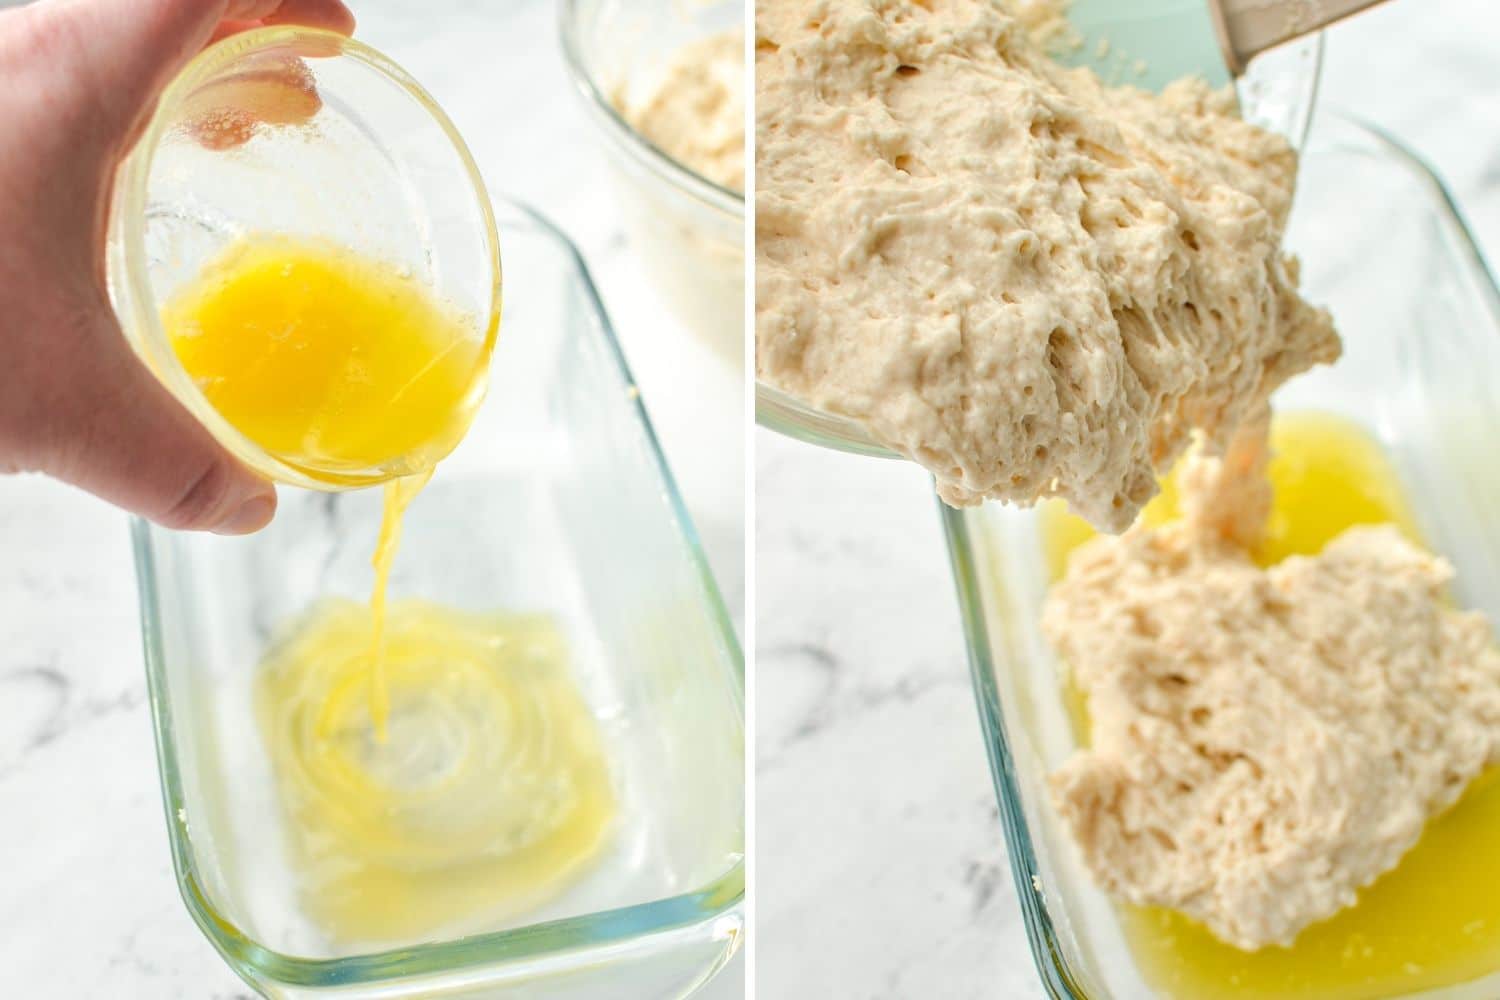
{"x":489,"y":794}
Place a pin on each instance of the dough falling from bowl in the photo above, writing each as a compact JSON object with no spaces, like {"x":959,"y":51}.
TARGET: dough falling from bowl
{"x":1030,"y":282}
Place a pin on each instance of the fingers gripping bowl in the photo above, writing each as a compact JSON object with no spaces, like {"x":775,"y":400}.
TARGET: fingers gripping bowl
{"x":293,"y":136}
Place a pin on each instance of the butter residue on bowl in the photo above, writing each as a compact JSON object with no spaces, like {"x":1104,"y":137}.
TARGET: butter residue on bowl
{"x":695,"y":112}
{"x":489,"y":796}
{"x":1030,"y":282}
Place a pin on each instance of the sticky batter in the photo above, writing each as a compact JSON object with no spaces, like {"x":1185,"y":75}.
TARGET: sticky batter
{"x":695,"y":113}
{"x":1033,"y":284}
{"x":1266,"y":741}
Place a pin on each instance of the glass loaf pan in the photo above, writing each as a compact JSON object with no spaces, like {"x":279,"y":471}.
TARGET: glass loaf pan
{"x":1383,"y":246}
{"x":558,"y":501}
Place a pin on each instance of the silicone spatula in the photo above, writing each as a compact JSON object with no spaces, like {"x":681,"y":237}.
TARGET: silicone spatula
{"x":1149,"y":43}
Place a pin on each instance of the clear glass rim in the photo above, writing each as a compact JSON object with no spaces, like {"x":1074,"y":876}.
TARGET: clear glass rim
{"x":786,"y":414}
{"x":128,"y":252}
{"x":255,"y":963}
{"x":1046,"y":951}
{"x":683,"y":178}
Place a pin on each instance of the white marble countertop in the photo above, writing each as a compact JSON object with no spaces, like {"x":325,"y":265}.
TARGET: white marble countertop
{"x":880,"y":868}
{"x":89,"y":907}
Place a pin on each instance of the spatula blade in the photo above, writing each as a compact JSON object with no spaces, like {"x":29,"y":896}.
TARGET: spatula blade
{"x":1146,"y":43}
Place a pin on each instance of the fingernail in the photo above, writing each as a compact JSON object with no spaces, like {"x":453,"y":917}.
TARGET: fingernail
{"x":252,"y":515}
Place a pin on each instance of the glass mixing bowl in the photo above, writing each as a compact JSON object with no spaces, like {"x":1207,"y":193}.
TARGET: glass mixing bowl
{"x":689,"y":231}
{"x":377,"y":168}
{"x":1277,"y":92}
{"x":557,"y":502}
{"x":1420,"y":318}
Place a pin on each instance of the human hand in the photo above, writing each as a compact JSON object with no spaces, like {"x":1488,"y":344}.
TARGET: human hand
{"x":82,"y":79}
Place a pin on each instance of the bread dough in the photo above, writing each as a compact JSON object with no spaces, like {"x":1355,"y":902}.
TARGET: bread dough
{"x":1032,"y":283}
{"x":1226,"y":499}
{"x":1046,"y":23}
{"x":696,"y":113}
{"x":1264,"y":742}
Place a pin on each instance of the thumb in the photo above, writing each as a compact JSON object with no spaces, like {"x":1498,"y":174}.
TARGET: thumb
{"x":128,"y":52}
{"x":115,"y":431}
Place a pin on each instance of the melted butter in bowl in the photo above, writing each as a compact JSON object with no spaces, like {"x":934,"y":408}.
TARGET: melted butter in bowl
{"x":488,"y":796}
{"x":344,"y":367}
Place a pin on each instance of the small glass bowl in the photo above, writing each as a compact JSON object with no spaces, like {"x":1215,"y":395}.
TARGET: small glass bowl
{"x":688,"y":230}
{"x":377,"y":168}
{"x":1277,"y":92}
{"x":1420,"y":317}
{"x":558,"y":502}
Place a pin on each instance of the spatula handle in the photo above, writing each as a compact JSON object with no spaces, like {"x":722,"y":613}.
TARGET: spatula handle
{"x":1248,"y":27}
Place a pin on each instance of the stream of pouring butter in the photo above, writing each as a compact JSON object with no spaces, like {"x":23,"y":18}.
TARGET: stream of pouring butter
{"x":436,"y":766}
{"x":399,"y":493}
{"x":332,"y":361}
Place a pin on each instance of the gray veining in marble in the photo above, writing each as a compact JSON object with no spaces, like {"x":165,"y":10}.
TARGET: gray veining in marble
{"x":880,"y":871}
{"x":88,"y":906}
